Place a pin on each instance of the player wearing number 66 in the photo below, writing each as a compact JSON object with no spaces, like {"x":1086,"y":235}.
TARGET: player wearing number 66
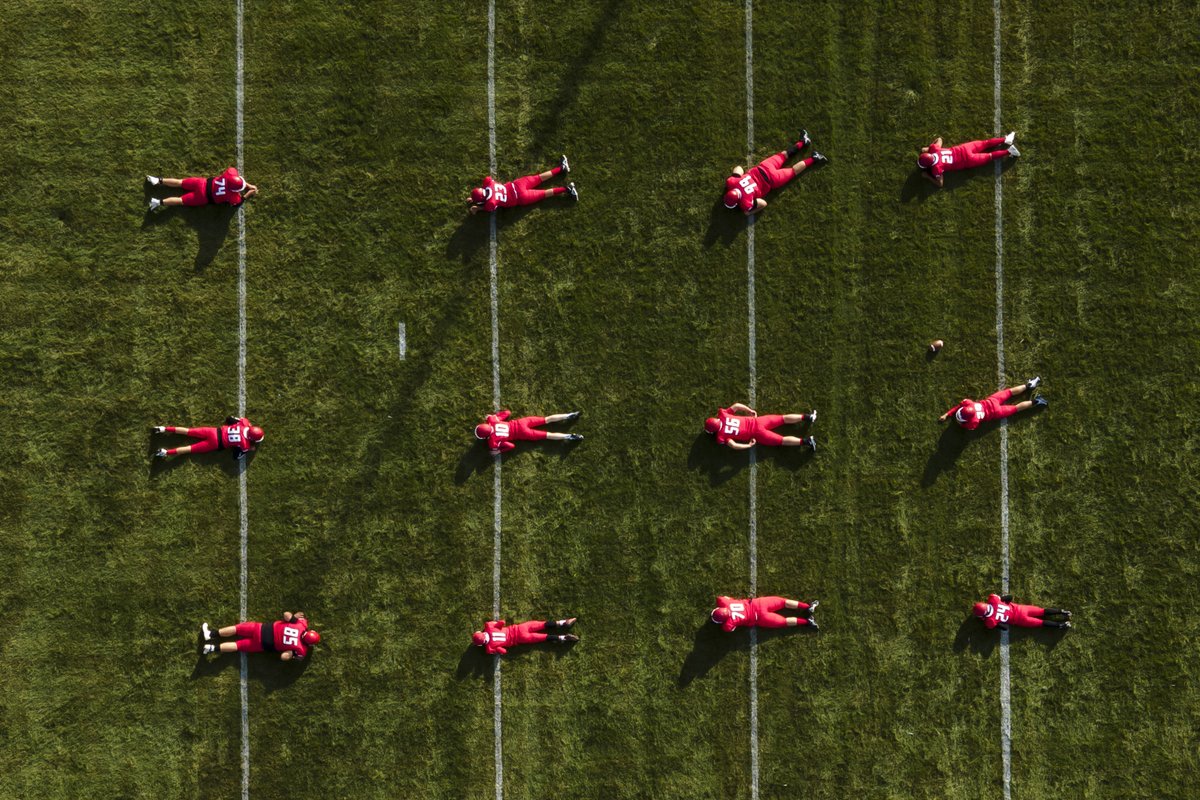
{"x":501,"y":430}
{"x":237,"y":434}
{"x":740,"y":427}
{"x":747,"y":189}
{"x":290,"y":637}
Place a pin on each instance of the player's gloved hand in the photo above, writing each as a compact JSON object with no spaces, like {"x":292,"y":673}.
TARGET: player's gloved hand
{"x":231,"y":420}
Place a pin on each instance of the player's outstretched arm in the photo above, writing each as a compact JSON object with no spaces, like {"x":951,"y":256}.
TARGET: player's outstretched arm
{"x":759,"y":205}
{"x":251,"y":190}
{"x":738,"y":171}
{"x":743,"y":407}
{"x":741,"y":445}
{"x":286,"y":655}
{"x":474,"y":209}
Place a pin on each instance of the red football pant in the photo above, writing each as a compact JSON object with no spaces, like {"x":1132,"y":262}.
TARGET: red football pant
{"x":764,"y":431}
{"x":249,"y":637}
{"x":994,"y":408}
{"x":526,"y":428}
{"x":775,"y":172}
{"x":767,"y":618}
{"x":195,"y":194}
{"x":528,"y":193}
{"x":974,"y":154}
{"x":209,"y":439}
{"x":528,"y":632}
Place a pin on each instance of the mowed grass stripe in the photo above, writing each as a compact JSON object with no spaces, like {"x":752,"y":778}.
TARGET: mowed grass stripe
{"x":891,"y":525}
{"x":632,"y":307}
{"x":367,"y":124}
{"x":111,"y":325}
{"x":1102,"y":296}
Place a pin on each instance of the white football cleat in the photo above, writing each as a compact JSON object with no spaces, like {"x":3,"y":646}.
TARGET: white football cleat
{"x":1013,"y":151}
{"x":156,"y":205}
{"x":813,"y":605}
{"x":160,"y":453}
{"x":1011,"y":137}
{"x":209,"y":649}
{"x":571,"y":190}
{"x":159,"y":429}
{"x":812,"y":416}
{"x":207,"y":633}
{"x":1033,"y":383}
{"x":153,"y":180}
{"x":566,"y":165}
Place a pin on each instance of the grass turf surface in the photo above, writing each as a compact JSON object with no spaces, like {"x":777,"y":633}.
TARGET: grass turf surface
{"x":369,"y":506}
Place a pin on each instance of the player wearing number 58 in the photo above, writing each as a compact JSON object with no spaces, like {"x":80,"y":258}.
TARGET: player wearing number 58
{"x":228,"y":188}
{"x":747,"y":189}
{"x":290,"y":637}
{"x":761,"y":612}
{"x":740,"y":427}
{"x":237,"y":434}
{"x":500,"y":430}
{"x":521,"y":192}
{"x":936,"y":159}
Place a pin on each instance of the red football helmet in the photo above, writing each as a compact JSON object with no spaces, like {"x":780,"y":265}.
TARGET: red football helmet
{"x":982,"y":610}
{"x":255,"y":434}
{"x":712,"y":424}
{"x":720,"y":615}
{"x":732,"y":198}
{"x":310,"y":637}
{"x":926,"y":160}
{"x":478,"y":195}
{"x":483,"y":430}
{"x":965,"y":411}
{"x":479,"y":638}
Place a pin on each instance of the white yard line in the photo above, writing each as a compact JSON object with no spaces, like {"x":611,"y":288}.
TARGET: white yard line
{"x":244,"y":520}
{"x":1005,"y":673}
{"x":497,"y":695}
{"x":752,"y":353}
{"x":402,"y":340}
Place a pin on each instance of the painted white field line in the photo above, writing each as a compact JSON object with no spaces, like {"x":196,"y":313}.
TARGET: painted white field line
{"x":497,"y":695}
{"x":402,"y":340}
{"x":752,"y":354}
{"x":242,"y":505}
{"x":1005,"y":673}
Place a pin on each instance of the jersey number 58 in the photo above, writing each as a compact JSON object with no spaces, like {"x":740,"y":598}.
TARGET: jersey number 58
{"x":291,"y":635}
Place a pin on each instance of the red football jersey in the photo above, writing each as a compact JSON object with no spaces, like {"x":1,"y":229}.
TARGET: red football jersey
{"x":498,"y":638}
{"x":742,"y":613}
{"x":969,"y":413}
{"x":998,"y":611}
{"x":287,"y":636}
{"x":227,"y":187}
{"x":736,"y":427}
{"x":236,"y":437}
{"x":498,"y":195}
{"x":753,"y":185}
{"x":949,"y":159}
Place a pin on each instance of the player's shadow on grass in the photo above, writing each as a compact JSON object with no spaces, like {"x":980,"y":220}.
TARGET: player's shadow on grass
{"x":473,"y":234}
{"x":478,"y":458}
{"x":724,"y":224}
{"x":974,"y":636}
{"x":476,"y":663}
{"x":955,"y":439}
{"x":222,"y":458}
{"x":263,"y":668}
{"x":918,"y":187}
{"x":211,"y":224}
{"x":712,"y":643}
{"x":720,"y":462}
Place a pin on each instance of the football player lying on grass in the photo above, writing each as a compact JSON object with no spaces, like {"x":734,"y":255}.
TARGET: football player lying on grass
{"x":290,"y":637}
{"x":228,"y":188}
{"x":747,"y":190}
{"x":497,"y":636}
{"x":1000,"y":611}
{"x":735,"y":429}
{"x":236,"y":434}
{"x":759,"y":612}
{"x":501,"y":430}
{"x":971,"y":414}
{"x":521,"y":192}
{"x":936,"y":159}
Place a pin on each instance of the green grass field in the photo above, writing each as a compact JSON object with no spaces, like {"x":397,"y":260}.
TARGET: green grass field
{"x":370,"y":504}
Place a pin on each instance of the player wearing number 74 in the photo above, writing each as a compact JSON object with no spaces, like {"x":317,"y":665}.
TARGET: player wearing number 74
{"x":290,"y":637}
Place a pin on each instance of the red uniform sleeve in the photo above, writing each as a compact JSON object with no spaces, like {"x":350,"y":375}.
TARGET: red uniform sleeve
{"x":732,"y":182}
{"x":503,"y":447}
{"x":503,"y":414}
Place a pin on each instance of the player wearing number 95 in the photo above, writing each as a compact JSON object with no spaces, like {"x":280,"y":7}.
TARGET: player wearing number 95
{"x":290,"y":637}
{"x":501,"y":430}
{"x":735,"y":429}
{"x":237,"y":434}
{"x":746,"y":190}
{"x":760,"y":612}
